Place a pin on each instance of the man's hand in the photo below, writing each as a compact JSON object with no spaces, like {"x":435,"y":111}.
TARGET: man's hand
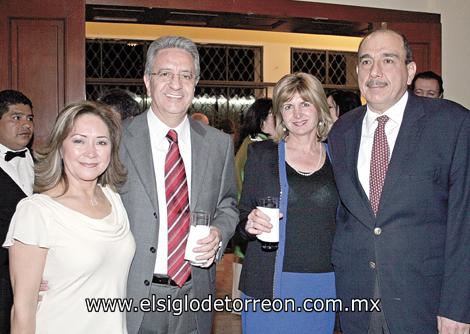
{"x":449,"y":326}
{"x":42,"y":288}
{"x":209,"y":247}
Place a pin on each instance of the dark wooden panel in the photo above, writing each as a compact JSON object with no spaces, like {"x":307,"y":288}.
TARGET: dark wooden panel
{"x":37,"y":67}
{"x":425,"y":40}
{"x":42,"y":53}
{"x":421,"y":55}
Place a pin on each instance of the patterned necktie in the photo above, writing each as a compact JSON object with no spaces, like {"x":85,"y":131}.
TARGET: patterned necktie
{"x":378,"y":163}
{"x":11,"y":154}
{"x":177,"y":201}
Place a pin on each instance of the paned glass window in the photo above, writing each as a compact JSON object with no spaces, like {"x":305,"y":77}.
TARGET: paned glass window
{"x":334,"y":69}
{"x":231,"y":76}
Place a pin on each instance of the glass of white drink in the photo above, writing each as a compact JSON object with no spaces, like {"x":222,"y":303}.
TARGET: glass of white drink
{"x":199,"y":229}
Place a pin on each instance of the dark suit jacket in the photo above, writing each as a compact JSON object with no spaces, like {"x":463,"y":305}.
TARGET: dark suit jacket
{"x":10,"y":195}
{"x":213,"y":190}
{"x":422,"y":252}
{"x":261,"y":180}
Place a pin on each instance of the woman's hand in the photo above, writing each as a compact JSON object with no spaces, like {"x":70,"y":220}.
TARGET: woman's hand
{"x":258,"y":222}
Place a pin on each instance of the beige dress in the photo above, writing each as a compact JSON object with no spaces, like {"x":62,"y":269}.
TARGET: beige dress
{"x":86,"y":258}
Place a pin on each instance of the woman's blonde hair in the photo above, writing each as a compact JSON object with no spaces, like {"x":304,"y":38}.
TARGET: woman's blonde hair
{"x":309,"y":89}
{"x":49,"y":169}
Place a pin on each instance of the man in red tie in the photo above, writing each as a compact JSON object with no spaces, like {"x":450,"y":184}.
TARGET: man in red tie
{"x":175,"y":165}
{"x":16,"y":179}
{"x":402,"y":168}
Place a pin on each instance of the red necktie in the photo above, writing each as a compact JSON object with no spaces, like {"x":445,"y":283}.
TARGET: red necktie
{"x":378,"y":163}
{"x":177,"y":201}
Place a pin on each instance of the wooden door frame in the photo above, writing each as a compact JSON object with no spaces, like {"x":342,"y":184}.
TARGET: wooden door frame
{"x":283,"y":8}
{"x":42,"y":54}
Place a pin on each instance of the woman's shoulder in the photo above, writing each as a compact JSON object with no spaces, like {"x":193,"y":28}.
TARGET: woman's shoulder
{"x":34,"y":201}
{"x":111,"y":194}
{"x":113,"y":197}
{"x":264,"y":146}
{"x":108,"y":190}
{"x":265,"y":151}
{"x":31,"y":221}
{"x":37,"y":207}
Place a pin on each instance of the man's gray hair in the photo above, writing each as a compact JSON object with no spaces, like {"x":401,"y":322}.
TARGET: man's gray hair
{"x":169,"y":42}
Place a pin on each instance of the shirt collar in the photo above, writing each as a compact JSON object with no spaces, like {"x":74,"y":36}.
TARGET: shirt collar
{"x":160,"y":129}
{"x":395,"y":113}
{"x":4,"y":149}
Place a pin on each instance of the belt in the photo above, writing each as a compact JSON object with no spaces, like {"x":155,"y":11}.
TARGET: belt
{"x":166,"y":280}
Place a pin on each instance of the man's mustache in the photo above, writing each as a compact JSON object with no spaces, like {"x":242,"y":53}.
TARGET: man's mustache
{"x":25,"y":132}
{"x":376,"y":83}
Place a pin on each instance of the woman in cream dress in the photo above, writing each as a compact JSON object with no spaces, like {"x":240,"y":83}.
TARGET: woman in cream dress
{"x":74,"y":232}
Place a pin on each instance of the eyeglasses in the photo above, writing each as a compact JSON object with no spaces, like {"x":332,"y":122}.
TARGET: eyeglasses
{"x":167,"y":76}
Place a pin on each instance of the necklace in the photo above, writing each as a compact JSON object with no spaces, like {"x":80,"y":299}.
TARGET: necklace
{"x":316,"y":168}
{"x":94,"y":199}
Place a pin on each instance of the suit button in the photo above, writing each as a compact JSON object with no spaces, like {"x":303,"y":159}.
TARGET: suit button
{"x":152,"y":249}
{"x":372,"y":265}
{"x":377,"y":231}
{"x":155,"y":214}
{"x":146,"y":282}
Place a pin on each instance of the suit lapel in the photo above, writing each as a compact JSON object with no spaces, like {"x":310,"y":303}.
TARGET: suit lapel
{"x":405,"y":145}
{"x":138,"y":146}
{"x":362,"y":209}
{"x":199,"y":159}
{"x":7,"y":181}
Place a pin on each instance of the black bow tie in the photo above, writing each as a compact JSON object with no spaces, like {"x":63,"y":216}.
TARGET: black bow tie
{"x":10,"y":155}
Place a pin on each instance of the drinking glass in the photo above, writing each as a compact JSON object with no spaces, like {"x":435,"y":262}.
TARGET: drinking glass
{"x":199,"y":229}
{"x":270,"y":206}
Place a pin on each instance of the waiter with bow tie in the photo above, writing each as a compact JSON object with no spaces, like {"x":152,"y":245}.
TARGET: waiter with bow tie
{"x":16,"y":179}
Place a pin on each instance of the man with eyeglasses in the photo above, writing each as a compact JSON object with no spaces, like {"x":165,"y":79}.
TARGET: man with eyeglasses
{"x":16,"y":179}
{"x":175,"y":165}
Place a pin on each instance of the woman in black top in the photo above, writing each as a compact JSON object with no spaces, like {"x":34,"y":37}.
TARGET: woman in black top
{"x":295,"y":168}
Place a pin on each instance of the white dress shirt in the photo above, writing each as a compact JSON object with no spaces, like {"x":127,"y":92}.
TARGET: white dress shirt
{"x":369,"y":124}
{"x":21,"y":170}
{"x":160,"y":145}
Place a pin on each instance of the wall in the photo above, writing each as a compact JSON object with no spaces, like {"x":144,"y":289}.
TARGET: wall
{"x":276,"y":45}
{"x":455,"y":29}
{"x":455,"y":49}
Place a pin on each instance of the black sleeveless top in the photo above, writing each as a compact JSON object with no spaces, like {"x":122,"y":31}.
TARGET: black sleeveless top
{"x":311,"y":212}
